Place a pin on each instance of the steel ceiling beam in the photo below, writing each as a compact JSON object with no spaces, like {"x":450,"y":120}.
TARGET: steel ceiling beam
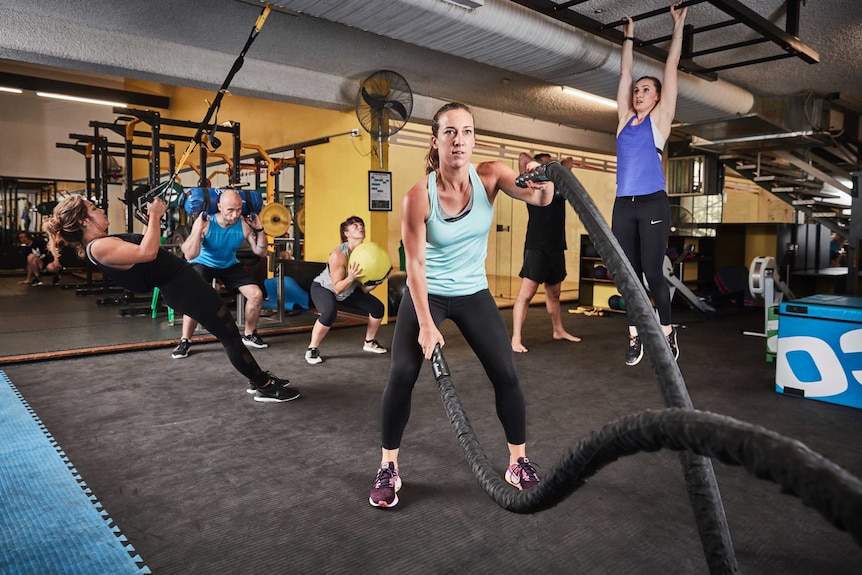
{"x":786,"y":40}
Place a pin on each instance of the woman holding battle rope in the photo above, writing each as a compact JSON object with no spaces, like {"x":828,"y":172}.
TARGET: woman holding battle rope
{"x":138,"y":263}
{"x":641,"y":216}
{"x":445,"y":221}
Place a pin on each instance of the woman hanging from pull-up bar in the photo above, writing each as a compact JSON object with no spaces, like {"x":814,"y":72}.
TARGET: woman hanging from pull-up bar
{"x":138,"y":263}
{"x":641,"y":216}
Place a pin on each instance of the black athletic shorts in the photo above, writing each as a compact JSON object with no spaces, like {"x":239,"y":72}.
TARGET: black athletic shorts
{"x":233,"y":277}
{"x":544,"y":266}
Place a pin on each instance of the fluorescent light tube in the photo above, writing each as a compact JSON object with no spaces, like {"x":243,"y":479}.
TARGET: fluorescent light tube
{"x":590,"y":97}
{"x":83,"y":100}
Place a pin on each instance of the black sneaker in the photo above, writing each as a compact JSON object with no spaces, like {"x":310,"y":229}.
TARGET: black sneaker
{"x":312,"y":355}
{"x":635,"y":352}
{"x":182,"y":349}
{"x":276,"y":391}
{"x":671,"y":341}
{"x":36,"y":281}
{"x":252,"y":388}
{"x":253,"y":340}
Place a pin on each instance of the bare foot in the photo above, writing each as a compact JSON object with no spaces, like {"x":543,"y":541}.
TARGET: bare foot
{"x":566,"y":336}
{"x":518,"y":347}
{"x":22,"y":282}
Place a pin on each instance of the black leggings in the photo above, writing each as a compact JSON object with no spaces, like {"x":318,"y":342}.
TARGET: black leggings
{"x":189,"y":294}
{"x":642,"y":225}
{"x":325,"y":303}
{"x":482,"y":326}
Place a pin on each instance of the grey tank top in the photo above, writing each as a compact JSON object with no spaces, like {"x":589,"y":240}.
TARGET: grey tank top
{"x":325,"y":278}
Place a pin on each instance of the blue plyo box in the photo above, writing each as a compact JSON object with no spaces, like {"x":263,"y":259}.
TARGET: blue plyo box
{"x":819,"y":349}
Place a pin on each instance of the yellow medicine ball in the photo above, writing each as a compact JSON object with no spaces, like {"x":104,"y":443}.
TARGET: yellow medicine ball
{"x":373,"y":259}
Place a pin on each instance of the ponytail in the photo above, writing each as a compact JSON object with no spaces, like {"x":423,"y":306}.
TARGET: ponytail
{"x":64,"y":227}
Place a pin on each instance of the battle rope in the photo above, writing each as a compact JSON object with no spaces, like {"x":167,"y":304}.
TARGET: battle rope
{"x":829,"y":489}
{"x":698,"y":472}
{"x":213,"y":109}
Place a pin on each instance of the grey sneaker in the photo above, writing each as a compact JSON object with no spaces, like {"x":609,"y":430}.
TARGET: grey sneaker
{"x":182,"y":350}
{"x":635,"y":351}
{"x":312,"y":355}
{"x":253,"y":340}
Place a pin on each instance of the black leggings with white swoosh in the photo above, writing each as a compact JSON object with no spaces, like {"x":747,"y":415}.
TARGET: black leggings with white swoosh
{"x":641,"y":225}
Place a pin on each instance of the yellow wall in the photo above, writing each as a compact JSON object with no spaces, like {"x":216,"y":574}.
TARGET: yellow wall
{"x":408,"y":167}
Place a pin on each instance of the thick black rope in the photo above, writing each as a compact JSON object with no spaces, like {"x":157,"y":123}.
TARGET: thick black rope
{"x":698,"y":472}
{"x":827,"y":488}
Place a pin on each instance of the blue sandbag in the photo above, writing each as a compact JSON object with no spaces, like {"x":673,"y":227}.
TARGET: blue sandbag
{"x":294,"y":296}
{"x":200,"y":199}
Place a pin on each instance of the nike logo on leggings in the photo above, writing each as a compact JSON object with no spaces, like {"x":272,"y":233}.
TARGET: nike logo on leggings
{"x":654,"y":222}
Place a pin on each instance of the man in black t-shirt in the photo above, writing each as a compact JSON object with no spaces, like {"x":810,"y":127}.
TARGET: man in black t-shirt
{"x":544,"y":261}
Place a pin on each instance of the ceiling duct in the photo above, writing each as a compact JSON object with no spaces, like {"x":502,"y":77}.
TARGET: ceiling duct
{"x":510,"y":37}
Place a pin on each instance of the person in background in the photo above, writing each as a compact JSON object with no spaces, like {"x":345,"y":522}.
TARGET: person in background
{"x":138,"y":263}
{"x":337,"y":287}
{"x":211,"y":249}
{"x":544,"y":260}
{"x":641,"y":215}
{"x":25,"y":216}
{"x":834,"y":250}
{"x":445,"y":221}
{"x":39,"y":260}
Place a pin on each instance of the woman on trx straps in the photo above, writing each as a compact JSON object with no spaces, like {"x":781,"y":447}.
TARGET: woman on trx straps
{"x":139,"y":264}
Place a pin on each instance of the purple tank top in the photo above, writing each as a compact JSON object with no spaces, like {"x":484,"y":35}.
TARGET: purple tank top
{"x":639,"y":171}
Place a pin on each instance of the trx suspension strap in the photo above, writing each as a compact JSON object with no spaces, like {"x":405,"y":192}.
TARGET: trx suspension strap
{"x":213,"y":109}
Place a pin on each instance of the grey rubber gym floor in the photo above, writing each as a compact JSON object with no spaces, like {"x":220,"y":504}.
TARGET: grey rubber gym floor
{"x":202,"y":479}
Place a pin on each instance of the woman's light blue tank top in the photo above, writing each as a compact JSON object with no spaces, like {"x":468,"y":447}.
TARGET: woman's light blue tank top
{"x":455,"y":251}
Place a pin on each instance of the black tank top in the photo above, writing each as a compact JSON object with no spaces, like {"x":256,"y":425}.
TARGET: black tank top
{"x":546,"y":227}
{"x":142,"y":277}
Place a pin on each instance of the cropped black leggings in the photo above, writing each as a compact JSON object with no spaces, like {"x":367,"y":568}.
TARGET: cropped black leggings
{"x":482,"y":326}
{"x":328,"y":306}
{"x":642,"y":225}
{"x":189,"y":294}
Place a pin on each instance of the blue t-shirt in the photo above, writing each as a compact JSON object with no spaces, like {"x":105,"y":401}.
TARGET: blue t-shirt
{"x":455,"y":251}
{"x":219,"y":245}
{"x":639,"y":171}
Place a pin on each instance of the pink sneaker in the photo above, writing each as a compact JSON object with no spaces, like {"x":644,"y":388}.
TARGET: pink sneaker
{"x":522,"y":474}
{"x":384,"y":490}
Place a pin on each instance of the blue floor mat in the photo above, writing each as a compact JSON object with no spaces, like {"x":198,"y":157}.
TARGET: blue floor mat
{"x":50,"y":522}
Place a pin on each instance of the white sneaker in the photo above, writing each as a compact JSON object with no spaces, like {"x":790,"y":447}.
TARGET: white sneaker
{"x":372,"y":346}
{"x":312,"y":355}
